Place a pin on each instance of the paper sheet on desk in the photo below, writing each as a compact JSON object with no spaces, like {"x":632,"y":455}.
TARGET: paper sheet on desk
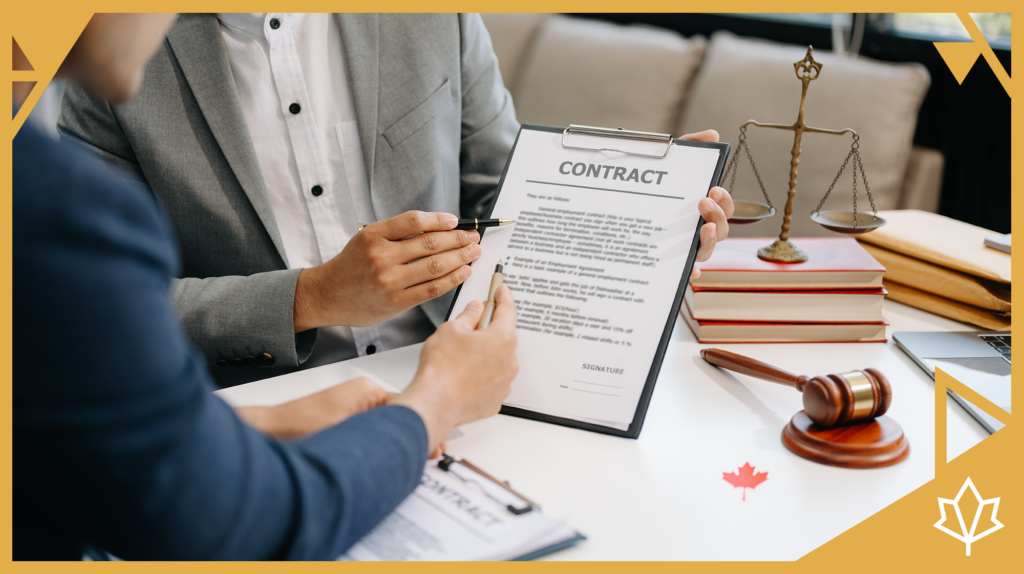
{"x":594,"y":261}
{"x":446,"y":518}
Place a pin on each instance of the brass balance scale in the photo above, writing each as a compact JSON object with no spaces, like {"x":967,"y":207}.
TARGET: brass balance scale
{"x":840,"y":221}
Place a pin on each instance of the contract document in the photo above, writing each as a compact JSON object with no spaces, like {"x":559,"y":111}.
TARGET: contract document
{"x":602,"y":247}
{"x":459,"y":514}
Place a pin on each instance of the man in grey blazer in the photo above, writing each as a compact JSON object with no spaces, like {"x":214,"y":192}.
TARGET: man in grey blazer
{"x":270,"y":137}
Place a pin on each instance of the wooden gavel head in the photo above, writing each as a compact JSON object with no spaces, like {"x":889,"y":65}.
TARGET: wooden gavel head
{"x":830,"y":400}
{"x":835,"y":400}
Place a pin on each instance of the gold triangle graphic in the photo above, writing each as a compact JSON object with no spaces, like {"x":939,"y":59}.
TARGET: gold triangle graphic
{"x":959,"y":56}
{"x":943,"y":382}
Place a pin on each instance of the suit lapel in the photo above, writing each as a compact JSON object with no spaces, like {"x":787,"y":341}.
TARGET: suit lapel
{"x":359,"y":36}
{"x":196,"y":43}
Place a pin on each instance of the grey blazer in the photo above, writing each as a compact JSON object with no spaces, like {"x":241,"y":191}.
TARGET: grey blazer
{"x":435,"y":123}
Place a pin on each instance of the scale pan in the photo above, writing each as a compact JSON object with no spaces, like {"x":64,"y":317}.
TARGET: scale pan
{"x":842,"y":221}
{"x":750,"y":212}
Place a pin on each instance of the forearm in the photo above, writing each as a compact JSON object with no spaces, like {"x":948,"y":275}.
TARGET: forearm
{"x":233,"y":494}
{"x":308,"y":311}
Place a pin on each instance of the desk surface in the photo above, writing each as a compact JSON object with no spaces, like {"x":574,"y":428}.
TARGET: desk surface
{"x":662,"y":496}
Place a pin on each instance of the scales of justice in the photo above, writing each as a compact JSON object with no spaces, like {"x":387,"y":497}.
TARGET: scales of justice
{"x":839,"y":221}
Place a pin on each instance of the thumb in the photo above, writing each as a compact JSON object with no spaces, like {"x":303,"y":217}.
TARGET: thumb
{"x":504,"y":310}
{"x":704,"y":136}
{"x":470,"y":316}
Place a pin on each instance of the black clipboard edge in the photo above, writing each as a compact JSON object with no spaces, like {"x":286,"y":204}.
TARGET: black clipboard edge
{"x":633,"y":431}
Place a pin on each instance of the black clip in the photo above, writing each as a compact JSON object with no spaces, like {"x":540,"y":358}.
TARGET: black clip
{"x":446,"y":463}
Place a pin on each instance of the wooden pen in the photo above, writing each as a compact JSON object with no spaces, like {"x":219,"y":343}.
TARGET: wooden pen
{"x":496,"y":279}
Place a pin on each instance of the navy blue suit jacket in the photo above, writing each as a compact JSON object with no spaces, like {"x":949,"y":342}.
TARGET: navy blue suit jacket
{"x":118,"y":439}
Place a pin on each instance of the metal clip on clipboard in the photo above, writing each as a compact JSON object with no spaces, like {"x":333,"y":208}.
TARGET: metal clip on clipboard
{"x":618,"y":133}
{"x":446,"y":463}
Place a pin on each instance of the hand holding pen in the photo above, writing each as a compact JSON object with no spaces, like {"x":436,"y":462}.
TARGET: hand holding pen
{"x":465,"y":373}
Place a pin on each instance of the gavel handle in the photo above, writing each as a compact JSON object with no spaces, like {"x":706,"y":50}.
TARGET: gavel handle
{"x":753,"y":368}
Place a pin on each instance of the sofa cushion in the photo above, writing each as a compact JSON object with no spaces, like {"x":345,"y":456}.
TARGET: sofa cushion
{"x":511,"y":36}
{"x":743,"y":79}
{"x":601,"y":74}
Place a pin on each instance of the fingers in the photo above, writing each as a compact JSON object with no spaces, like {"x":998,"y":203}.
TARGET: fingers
{"x":712,"y":213}
{"x":411,"y":223}
{"x":418,"y":294}
{"x":708,"y":239}
{"x":427,"y":244}
{"x":438,"y":451}
{"x":724,"y":199}
{"x":694,"y":273}
{"x":505,"y":312}
{"x":440,"y":265}
{"x":470,"y":316}
{"x":704,"y":136}
{"x":359,"y":394}
{"x":341,"y":401}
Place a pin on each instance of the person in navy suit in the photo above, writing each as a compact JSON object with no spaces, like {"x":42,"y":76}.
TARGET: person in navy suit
{"x":120,"y":444}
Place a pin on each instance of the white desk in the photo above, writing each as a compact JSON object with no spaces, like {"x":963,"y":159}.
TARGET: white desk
{"x":662,"y":496}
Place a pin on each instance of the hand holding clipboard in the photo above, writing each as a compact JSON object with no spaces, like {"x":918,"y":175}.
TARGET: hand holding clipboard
{"x":605,"y":238}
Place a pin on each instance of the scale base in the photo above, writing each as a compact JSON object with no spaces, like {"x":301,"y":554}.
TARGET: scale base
{"x":782,"y":251}
{"x":874,"y":444}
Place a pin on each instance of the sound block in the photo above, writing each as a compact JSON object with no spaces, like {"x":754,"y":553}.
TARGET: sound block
{"x":873,"y":444}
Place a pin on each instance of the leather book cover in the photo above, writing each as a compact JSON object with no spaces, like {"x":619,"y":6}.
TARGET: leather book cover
{"x":743,"y":332}
{"x":834,"y":263}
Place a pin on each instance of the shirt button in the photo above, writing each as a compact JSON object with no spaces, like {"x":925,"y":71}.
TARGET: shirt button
{"x":266,"y":359}
{"x":222,"y":362}
{"x":317,"y":190}
{"x":371,"y":349}
{"x":295,"y":108}
{"x":250,"y":360}
{"x":275,"y":23}
{"x":236,"y":362}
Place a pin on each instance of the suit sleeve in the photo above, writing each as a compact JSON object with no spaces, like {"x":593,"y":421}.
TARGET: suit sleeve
{"x":489,"y":124}
{"x":224,"y":316}
{"x":122,"y":438}
{"x":233,"y":316}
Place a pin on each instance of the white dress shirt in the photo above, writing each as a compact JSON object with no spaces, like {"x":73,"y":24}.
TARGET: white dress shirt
{"x":293,"y":83}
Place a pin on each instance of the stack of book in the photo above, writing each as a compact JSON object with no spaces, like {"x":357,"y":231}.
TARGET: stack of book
{"x":836,"y":296}
{"x":943,"y":266}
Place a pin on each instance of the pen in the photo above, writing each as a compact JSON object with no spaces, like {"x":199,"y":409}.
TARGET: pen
{"x":485,"y":319}
{"x":476,"y":223}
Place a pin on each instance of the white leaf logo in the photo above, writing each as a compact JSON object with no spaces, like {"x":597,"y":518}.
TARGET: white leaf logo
{"x":969,"y":536}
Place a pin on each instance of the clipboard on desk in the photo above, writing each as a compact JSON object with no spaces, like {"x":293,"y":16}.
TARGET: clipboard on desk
{"x":606,"y":236}
{"x":459,"y":512}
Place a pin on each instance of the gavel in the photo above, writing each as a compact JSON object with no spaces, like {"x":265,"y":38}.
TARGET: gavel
{"x":830,"y":400}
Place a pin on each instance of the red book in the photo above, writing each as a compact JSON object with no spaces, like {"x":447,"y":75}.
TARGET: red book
{"x":786,"y":305}
{"x":834,"y":263}
{"x":753,"y":332}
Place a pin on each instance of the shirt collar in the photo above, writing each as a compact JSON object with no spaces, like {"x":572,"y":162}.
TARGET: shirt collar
{"x":246,"y":22}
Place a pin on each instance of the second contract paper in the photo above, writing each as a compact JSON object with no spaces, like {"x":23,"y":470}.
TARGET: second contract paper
{"x":595,"y":261}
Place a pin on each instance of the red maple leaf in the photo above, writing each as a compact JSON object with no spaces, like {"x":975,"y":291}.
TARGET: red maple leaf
{"x":746,"y":478}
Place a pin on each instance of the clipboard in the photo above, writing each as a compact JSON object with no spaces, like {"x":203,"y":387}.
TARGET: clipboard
{"x":520,"y":504}
{"x":613,"y":134}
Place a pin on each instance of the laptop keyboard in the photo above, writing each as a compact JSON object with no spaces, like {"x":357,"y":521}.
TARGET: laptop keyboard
{"x":1000,"y":343}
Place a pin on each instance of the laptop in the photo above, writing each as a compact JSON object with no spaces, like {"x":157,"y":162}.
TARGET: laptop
{"x":980,"y":360}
